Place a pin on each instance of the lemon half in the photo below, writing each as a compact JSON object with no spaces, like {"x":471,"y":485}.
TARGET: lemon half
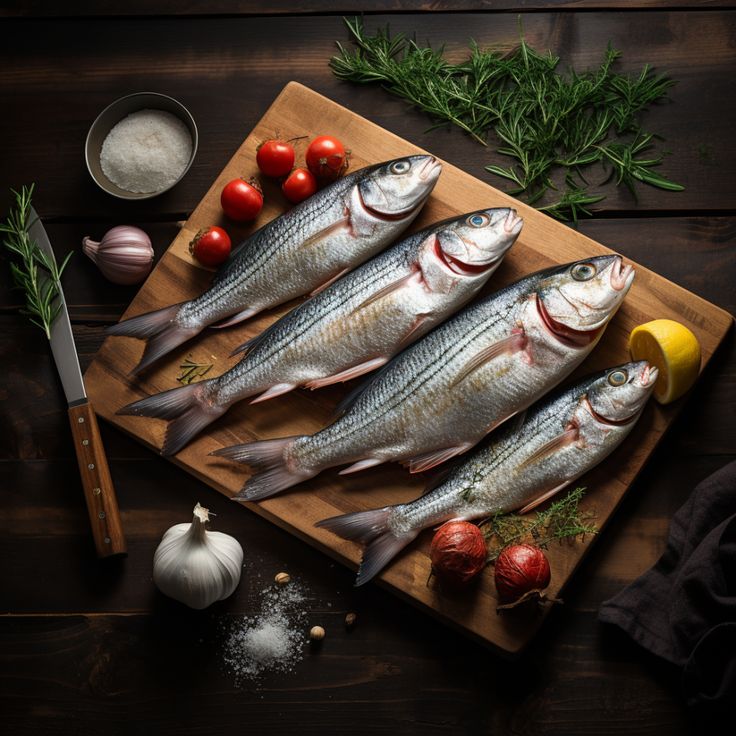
{"x":674,"y":349}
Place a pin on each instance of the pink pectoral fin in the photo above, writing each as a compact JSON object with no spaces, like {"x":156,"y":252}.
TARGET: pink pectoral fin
{"x":277,"y":390}
{"x":566,"y":438}
{"x":413,"y":277}
{"x":431,"y":459}
{"x":236,"y":318}
{"x":329,"y":282}
{"x":515,"y":342}
{"x":545,"y":496}
{"x":369,"y":462}
{"x":346,"y":375}
{"x":413,"y":333}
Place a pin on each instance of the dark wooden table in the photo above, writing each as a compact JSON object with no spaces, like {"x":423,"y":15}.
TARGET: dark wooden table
{"x":89,"y":648}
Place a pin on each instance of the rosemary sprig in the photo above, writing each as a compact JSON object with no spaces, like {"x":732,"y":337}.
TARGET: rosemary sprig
{"x":554,"y":126}
{"x":192,"y":371}
{"x":561,"y":520}
{"x":36,"y":274}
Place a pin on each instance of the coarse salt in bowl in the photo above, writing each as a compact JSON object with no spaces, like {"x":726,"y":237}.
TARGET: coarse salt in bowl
{"x":141,"y":145}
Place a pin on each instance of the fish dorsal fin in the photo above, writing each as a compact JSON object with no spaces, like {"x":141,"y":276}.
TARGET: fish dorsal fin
{"x":544,"y":497}
{"x":567,"y":437}
{"x":355,"y":394}
{"x":515,"y":342}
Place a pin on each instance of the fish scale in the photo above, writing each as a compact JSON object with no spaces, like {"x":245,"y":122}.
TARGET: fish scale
{"x":520,"y":466}
{"x":328,"y":234}
{"x":353,"y":325}
{"x":441,"y":396}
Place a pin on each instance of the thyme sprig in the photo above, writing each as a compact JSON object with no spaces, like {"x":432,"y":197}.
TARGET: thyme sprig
{"x":554,"y":126}
{"x":563,"y":519}
{"x":36,"y":274}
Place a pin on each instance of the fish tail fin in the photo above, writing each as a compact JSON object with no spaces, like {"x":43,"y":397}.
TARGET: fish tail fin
{"x":268,"y":457}
{"x":159,"y":328}
{"x":188,"y":408}
{"x":371,"y":528}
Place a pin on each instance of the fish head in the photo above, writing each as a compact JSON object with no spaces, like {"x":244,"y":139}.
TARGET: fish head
{"x":577,"y":300}
{"x":397,"y":188}
{"x":468,"y":249}
{"x":619,"y":394}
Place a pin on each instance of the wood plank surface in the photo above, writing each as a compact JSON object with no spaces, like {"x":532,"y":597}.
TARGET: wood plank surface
{"x":83,"y":8}
{"x":227,"y":85}
{"x":64,"y":667}
{"x":298,"y":112}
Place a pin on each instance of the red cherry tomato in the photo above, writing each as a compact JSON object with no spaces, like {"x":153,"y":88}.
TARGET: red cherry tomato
{"x":241,"y":201}
{"x":275,"y":158}
{"x":327,"y":158}
{"x":299,"y":185}
{"x":211,"y":246}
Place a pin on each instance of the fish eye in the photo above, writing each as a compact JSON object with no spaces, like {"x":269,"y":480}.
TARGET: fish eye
{"x":583,"y":271}
{"x":400,"y":167}
{"x":618,"y":378}
{"x":478,"y":220}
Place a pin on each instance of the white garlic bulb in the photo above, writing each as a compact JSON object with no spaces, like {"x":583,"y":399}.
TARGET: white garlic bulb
{"x":197,"y":567}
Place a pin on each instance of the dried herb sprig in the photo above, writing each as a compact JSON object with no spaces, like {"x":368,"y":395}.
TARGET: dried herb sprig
{"x":553,"y":125}
{"x":36,"y":274}
{"x":563,"y":519}
{"x":192,"y":371}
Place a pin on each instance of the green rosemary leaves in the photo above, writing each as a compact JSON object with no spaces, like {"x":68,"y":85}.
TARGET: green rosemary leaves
{"x":554,"y":126}
{"x":37,"y":275}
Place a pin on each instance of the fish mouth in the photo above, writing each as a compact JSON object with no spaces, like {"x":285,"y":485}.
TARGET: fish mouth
{"x":566,"y":335}
{"x":605,"y":420}
{"x":512,"y":224}
{"x":428,"y":170}
{"x":390,"y":216}
{"x":649,"y":375}
{"x":460,"y":267}
{"x":621,"y":275}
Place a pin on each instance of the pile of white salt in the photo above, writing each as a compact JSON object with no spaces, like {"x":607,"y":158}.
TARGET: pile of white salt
{"x":147,"y":151}
{"x":271,"y":641}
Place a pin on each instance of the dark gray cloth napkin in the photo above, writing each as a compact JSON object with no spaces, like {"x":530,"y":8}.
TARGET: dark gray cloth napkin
{"x":684,"y":608}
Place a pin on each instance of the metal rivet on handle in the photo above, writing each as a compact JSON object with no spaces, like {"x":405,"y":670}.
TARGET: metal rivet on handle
{"x":97,"y":491}
{"x":107,"y":540}
{"x":85,"y":442}
{"x":91,"y":466}
{"x":101,"y":515}
{"x":81,"y":420}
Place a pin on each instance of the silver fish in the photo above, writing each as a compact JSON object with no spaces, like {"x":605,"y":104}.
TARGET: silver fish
{"x":300,"y":251}
{"x":354,"y":326}
{"x":442,"y":395}
{"x":559,"y":440}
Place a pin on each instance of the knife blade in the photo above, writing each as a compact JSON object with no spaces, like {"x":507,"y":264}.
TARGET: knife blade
{"x":99,"y":492}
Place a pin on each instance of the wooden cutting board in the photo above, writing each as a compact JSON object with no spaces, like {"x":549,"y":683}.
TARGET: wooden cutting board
{"x":299,"y":111}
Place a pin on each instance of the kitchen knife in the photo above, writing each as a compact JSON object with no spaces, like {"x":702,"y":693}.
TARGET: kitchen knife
{"x":96,"y":481}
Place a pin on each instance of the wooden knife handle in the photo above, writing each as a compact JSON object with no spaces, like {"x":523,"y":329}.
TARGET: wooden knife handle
{"x":96,"y":481}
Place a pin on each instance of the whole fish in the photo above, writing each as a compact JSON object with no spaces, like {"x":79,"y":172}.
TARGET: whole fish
{"x":300,"y":251}
{"x":559,"y":439}
{"x":353,"y":326}
{"x":443,"y":394}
